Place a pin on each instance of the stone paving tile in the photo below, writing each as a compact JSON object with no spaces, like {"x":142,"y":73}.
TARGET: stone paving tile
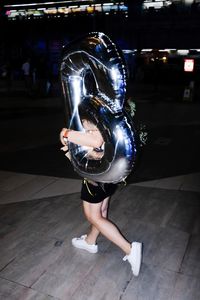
{"x":36,"y":249}
{"x":5,"y":174}
{"x":191,"y":263}
{"x":29,"y":266}
{"x":107,"y":279}
{"x":26,"y":191}
{"x":187,"y":288}
{"x":184,"y":217}
{"x":162,"y":247}
{"x":13,"y":291}
{"x":173,"y":183}
{"x":15,"y":180}
{"x":192,"y":179}
{"x":59,"y":187}
{"x":153,"y":283}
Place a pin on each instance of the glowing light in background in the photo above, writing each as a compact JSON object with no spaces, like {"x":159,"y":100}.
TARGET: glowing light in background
{"x":188,"y":65}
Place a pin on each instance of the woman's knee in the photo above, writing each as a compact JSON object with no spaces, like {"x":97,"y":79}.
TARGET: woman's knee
{"x":92,"y":212}
{"x":94,"y":218}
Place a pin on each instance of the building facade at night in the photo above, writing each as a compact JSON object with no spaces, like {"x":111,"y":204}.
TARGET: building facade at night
{"x":39,"y":9}
{"x":43,"y":27}
{"x":141,"y":23}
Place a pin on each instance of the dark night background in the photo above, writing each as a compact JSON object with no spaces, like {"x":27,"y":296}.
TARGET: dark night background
{"x":155,"y":41}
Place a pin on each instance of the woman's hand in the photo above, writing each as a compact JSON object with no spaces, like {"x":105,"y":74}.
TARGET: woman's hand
{"x":65,"y":143}
{"x":65,"y":149}
{"x":62,"y":139}
{"x":91,"y":137}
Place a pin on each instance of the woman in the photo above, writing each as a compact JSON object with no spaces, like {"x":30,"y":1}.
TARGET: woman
{"x":96,"y":197}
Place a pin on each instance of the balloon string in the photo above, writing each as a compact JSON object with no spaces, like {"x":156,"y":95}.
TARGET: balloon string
{"x":124,"y":182}
{"x":85,"y":182}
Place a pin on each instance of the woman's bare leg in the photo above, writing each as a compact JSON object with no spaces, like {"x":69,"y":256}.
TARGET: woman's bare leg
{"x":104,"y":226}
{"x":94,"y":232}
{"x":92,"y":235}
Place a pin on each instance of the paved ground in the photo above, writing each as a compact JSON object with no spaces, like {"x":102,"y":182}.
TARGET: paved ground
{"x":41,"y":214}
{"x":40,"y":210}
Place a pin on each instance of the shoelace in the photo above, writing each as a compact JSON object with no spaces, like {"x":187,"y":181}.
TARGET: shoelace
{"x":125,"y":258}
{"x":83,"y":237}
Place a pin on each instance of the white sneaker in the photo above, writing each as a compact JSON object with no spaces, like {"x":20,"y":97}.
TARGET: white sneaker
{"x":82,"y":244}
{"x":135,"y":257}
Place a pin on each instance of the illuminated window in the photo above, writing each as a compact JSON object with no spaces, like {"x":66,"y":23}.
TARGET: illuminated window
{"x":41,"y":8}
{"x":188,"y":65}
{"x":157,"y":4}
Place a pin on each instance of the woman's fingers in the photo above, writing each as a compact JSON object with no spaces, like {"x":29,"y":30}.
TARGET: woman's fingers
{"x":65,"y":148}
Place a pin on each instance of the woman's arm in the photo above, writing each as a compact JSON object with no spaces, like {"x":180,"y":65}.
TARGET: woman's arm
{"x":91,"y":138}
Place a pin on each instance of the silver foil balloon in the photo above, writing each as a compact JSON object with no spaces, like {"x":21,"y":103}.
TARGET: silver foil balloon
{"x":93,"y":75}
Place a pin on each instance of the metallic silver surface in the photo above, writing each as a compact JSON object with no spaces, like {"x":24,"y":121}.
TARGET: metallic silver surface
{"x":93,"y":75}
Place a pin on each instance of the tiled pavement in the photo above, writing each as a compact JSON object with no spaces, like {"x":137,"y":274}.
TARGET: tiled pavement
{"x":17,"y":187}
{"x":40,"y":214}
